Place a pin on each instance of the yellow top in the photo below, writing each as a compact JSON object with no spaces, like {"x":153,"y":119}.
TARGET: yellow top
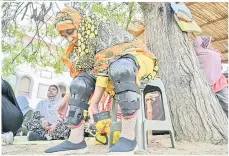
{"x":144,"y":59}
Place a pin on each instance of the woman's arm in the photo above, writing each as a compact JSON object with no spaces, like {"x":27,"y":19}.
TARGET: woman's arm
{"x":93,"y":109}
{"x":98,"y":93}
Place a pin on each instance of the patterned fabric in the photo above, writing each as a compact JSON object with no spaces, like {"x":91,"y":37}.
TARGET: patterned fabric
{"x":95,"y":33}
{"x":100,"y":42}
{"x":61,"y":131}
{"x":83,"y":55}
{"x":143,"y":58}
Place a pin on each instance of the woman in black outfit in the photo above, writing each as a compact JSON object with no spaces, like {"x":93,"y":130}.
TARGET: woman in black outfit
{"x":12,"y":116}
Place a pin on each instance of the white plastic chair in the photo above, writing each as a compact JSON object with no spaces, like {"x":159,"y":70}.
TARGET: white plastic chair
{"x":143,"y":125}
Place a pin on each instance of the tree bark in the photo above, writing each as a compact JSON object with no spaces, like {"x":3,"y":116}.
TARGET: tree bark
{"x":195,"y":111}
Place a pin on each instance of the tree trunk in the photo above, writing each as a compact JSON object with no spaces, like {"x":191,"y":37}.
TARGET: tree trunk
{"x":195,"y":111}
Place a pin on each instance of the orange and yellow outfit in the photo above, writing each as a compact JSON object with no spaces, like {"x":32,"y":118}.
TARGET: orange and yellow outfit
{"x":99,"y":44}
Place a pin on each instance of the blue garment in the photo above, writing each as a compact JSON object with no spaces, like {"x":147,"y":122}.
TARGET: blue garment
{"x":181,"y":7}
{"x":23,"y":104}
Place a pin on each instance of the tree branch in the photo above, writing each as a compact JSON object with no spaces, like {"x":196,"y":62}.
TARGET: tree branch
{"x":19,"y":53}
{"x":57,"y":6}
{"x":116,"y":7}
{"x":37,"y":33}
{"x":26,"y":8}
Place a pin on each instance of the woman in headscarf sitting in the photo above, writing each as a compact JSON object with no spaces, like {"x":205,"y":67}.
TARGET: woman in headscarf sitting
{"x":45,"y":124}
{"x":210,"y":62}
{"x":102,"y":56}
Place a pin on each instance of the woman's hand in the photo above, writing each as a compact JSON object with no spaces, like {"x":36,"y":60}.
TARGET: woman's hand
{"x":93,"y":109}
{"x":63,"y":107}
{"x":51,"y":129}
{"x":44,"y":123}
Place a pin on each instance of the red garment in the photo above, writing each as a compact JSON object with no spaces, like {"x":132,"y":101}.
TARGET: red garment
{"x":220,"y":84}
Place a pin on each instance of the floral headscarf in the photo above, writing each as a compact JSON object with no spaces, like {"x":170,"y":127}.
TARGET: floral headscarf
{"x":95,"y":33}
{"x":86,"y":28}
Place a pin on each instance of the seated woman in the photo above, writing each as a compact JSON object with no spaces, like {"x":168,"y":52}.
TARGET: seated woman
{"x":210,"y":62}
{"x":26,"y":111}
{"x":102,"y":57}
{"x":12,"y":117}
{"x":44,"y":123}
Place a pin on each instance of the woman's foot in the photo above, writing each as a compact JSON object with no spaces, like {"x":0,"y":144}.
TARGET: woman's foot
{"x":49,"y":138}
{"x":124,"y":146}
{"x":24,"y":131}
{"x":67,"y":146}
{"x":33,"y":136}
{"x":8,"y":138}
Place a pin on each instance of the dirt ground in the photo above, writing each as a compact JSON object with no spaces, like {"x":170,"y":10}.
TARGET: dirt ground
{"x":158,"y":145}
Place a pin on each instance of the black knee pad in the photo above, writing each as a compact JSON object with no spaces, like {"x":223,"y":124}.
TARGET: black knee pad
{"x":129,"y":102}
{"x":81,"y":89}
{"x":123,"y":74}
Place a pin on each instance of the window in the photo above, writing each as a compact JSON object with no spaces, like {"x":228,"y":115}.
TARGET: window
{"x":24,"y":86}
{"x":42,"y":91}
{"x":46,"y":74}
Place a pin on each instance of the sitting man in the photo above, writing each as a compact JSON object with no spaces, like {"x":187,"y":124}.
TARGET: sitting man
{"x":26,"y":111}
{"x":44,"y":123}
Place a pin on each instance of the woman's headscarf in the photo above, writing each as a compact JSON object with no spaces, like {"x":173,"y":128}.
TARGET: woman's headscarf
{"x":8,"y":93}
{"x":48,"y":107}
{"x":23,"y":104}
{"x":210,"y":60}
{"x":94,"y":34}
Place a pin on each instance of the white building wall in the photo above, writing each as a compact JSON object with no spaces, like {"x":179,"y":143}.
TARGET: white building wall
{"x":35,"y":76}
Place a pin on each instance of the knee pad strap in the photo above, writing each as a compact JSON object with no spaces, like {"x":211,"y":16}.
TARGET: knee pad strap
{"x":75,"y":116}
{"x":81,"y":88}
{"x":123,"y":73}
{"x":76,"y":112}
{"x":79,"y":103}
{"x":101,"y":116}
{"x":129,"y":102}
{"x":123,"y":86}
